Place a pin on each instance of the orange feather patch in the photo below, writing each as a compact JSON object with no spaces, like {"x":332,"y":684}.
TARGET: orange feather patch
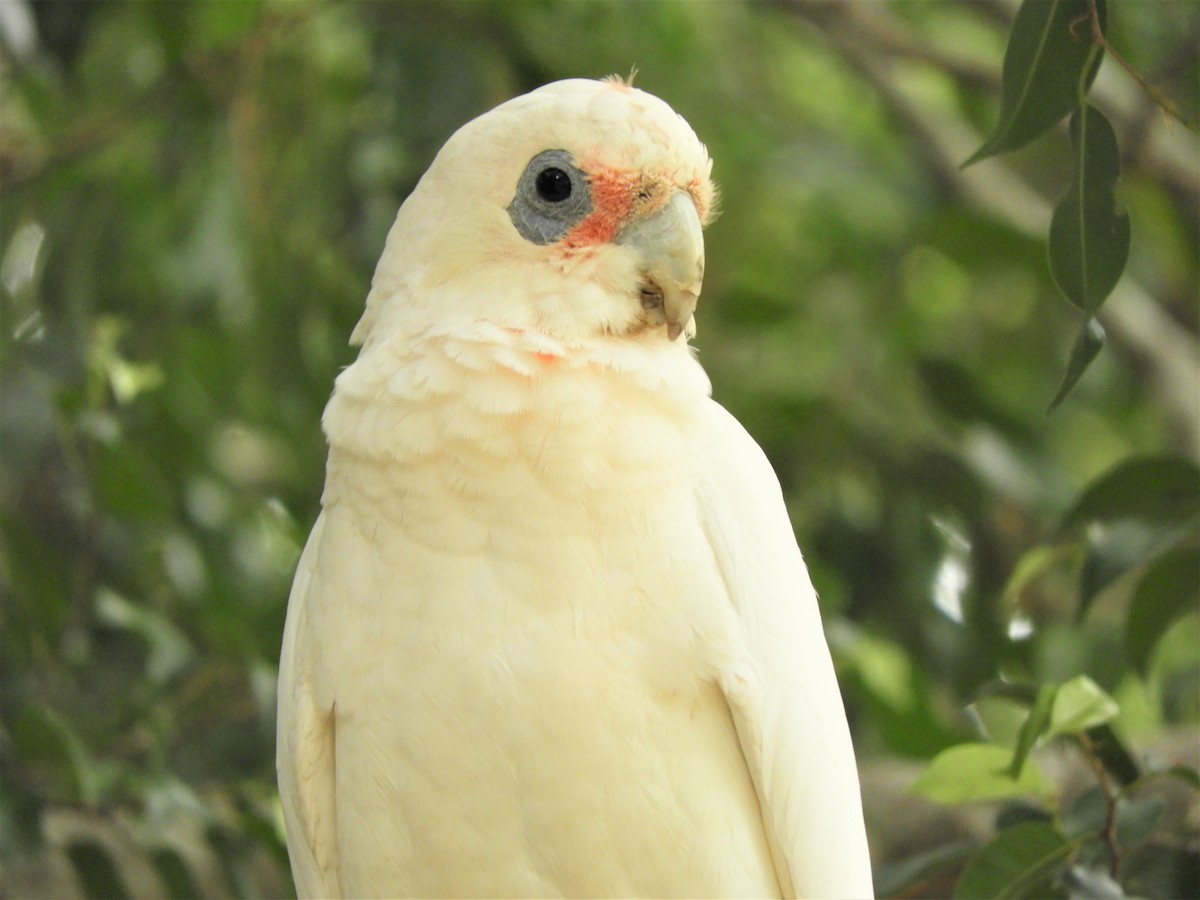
{"x":616,"y":195}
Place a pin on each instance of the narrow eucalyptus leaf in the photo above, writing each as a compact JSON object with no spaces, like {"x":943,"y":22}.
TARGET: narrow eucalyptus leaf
{"x":1050,"y":56}
{"x":1089,"y":236}
{"x":1087,"y":345}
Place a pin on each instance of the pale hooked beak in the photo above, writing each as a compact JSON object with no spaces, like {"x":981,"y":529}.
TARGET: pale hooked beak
{"x":671,"y":245}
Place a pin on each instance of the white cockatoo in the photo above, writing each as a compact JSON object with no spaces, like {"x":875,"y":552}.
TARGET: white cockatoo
{"x":551,"y":634}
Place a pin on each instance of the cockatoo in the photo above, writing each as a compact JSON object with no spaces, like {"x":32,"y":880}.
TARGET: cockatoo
{"x":551,"y":633}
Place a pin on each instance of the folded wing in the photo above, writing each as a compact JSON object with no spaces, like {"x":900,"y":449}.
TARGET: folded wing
{"x":785,"y":703}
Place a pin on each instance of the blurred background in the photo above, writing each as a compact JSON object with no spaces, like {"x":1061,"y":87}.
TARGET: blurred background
{"x":193,"y":196}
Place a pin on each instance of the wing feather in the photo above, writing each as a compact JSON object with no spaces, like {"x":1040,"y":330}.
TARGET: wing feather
{"x":305,"y":744}
{"x":785,"y":703}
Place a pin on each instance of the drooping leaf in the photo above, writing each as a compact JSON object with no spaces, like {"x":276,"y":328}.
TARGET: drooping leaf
{"x":1169,"y":588}
{"x":1088,"y":344}
{"x":969,"y":772}
{"x":1089,"y":235}
{"x":1081,"y":704}
{"x":1050,"y":56}
{"x":1035,"y":725}
{"x":1155,"y":489}
{"x":1016,"y":863}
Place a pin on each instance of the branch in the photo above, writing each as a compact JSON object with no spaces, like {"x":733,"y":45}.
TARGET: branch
{"x":1109,"y":832}
{"x":1155,"y":93}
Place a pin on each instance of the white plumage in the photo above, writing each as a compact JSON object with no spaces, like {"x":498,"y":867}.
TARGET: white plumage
{"x":551,"y":634}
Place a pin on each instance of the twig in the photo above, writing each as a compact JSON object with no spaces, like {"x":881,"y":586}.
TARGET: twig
{"x":1109,"y":833}
{"x":1155,"y":93}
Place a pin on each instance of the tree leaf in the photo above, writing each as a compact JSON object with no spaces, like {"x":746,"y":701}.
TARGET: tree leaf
{"x":1081,"y":704}
{"x":1035,"y":725}
{"x":1089,"y":237}
{"x":1137,"y":817}
{"x":1050,"y":57}
{"x":1154,"y":489}
{"x":1114,"y":548}
{"x":1087,"y":346}
{"x":966,"y":773}
{"x":1087,"y":814}
{"x":999,"y":719}
{"x":1017,"y":862}
{"x":898,"y":878}
{"x":1169,"y":588}
{"x":1113,"y":755}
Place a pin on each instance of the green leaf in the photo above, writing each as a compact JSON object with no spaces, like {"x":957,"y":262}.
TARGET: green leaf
{"x":1169,"y":588}
{"x":1186,"y":774}
{"x":1154,"y":489}
{"x":1137,"y":818}
{"x":1081,"y":704}
{"x":1035,"y":725}
{"x":906,"y":876}
{"x":1087,"y":814}
{"x":969,"y":772}
{"x":1113,"y":755}
{"x":1049,"y":61}
{"x":1034,"y":565}
{"x":1089,"y":237}
{"x":1000,"y":719}
{"x":1016,"y":863}
{"x":1114,"y":548}
{"x":1088,"y":344}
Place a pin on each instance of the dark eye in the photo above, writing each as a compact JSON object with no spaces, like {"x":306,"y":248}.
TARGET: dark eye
{"x":553,"y":185}
{"x":552,"y":196}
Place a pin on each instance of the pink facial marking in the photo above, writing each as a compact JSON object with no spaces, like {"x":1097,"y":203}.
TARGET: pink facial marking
{"x":613,"y":192}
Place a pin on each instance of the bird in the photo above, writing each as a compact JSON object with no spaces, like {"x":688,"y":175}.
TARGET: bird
{"x":551,"y":633}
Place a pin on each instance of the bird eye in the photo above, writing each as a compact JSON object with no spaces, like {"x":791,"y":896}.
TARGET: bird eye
{"x":552,"y":197}
{"x":553,"y":185}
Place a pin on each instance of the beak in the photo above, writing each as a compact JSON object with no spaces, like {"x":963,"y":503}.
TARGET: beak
{"x":671,"y":245}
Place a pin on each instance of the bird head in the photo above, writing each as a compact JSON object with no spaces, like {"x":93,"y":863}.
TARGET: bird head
{"x":574,"y":211}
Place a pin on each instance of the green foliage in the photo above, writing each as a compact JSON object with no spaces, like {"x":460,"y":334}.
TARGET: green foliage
{"x":969,"y":772}
{"x":194,"y":196}
{"x":1053,"y":55}
{"x":1089,"y":239}
{"x":1019,"y":862}
{"x":1048,"y":61}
